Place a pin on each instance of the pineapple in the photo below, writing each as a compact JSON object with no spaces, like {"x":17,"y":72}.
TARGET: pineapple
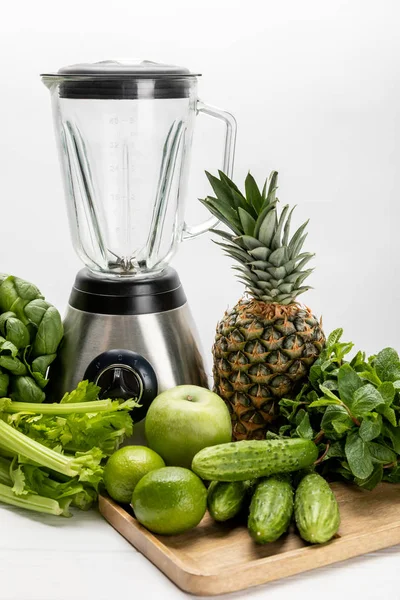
{"x":265,"y":345}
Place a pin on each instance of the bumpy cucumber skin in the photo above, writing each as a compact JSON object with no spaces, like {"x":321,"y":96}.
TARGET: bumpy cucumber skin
{"x":225,"y":499}
{"x":316,"y":510}
{"x":251,"y":459}
{"x":271,"y":509}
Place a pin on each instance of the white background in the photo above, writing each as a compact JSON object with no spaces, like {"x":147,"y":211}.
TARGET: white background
{"x":315,"y":88}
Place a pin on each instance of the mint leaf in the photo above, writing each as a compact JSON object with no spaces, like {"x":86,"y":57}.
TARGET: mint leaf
{"x":358,"y":456}
{"x":328,"y":393}
{"x":370,"y":375}
{"x":371,"y":427}
{"x":312,"y":396}
{"x":388,"y":413}
{"x":340,"y":427}
{"x":299,"y":416}
{"x":334,"y":337}
{"x":388,"y":392}
{"x":315,"y":375}
{"x":304,"y":429}
{"x":324,"y":402}
{"x":387,"y":365}
{"x":358,"y":361}
{"x":372,"y":481}
{"x":393,"y":475}
{"x":364,"y":400}
{"x":340,"y":350}
{"x":393,"y":433}
{"x":348,"y":382}
{"x":381,"y":453}
{"x":336,"y":422}
{"x":336,"y":450}
{"x":331,"y":385}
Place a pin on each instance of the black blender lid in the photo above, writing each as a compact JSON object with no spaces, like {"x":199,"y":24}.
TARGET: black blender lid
{"x":122,"y":80}
{"x":122,"y":68}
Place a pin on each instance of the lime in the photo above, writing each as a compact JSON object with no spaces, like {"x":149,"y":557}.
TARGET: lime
{"x":170,"y":500}
{"x":126,"y":467}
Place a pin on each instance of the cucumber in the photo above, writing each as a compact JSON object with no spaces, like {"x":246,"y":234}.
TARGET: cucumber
{"x":239,"y":461}
{"x":225,"y":499}
{"x":271,"y":509}
{"x":316,"y":510}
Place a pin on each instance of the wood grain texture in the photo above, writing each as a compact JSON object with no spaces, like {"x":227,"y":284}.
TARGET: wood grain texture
{"x":217,"y":558}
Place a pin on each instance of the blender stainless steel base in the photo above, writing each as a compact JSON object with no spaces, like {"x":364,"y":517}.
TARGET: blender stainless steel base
{"x":151,"y":347}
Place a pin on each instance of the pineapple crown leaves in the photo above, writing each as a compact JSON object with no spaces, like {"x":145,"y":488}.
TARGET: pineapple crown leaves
{"x":271,"y":263}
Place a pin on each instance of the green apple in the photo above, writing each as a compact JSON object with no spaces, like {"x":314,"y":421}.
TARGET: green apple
{"x":182,"y":421}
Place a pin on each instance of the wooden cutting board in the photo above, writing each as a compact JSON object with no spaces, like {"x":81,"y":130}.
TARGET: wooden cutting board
{"x":216,"y":558}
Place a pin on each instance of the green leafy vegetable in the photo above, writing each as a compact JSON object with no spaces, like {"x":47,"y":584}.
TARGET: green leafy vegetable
{"x":55,"y":451}
{"x":364,"y":400}
{"x":348,"y":383}
{"x":351,"y":409}
{"x":30,"y":332}
{"x":17,"y":443}
{"x":370,"y":427}
{"x":304,"y":428}
{"x":372,"y":480}
{"x":336,"y":422}
{"x":77,"y":424}
{"x":33,"y":502}
{"x":358,"y":456}
{"x":387,"y":365}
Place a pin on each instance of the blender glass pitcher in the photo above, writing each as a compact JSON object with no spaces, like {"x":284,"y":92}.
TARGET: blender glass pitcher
{"x":124,"y":133}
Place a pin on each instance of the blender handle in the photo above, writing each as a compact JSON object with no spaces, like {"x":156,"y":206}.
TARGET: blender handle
{"x":191,"y":231}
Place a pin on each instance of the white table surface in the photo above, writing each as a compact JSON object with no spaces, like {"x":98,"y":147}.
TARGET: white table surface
{"x":83,"y":558}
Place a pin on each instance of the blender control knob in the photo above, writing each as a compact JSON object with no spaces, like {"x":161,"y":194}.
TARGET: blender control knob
{"x":124,"y":374}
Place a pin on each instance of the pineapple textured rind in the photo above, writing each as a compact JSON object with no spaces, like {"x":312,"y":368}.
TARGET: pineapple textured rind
{"x":262,"y":353}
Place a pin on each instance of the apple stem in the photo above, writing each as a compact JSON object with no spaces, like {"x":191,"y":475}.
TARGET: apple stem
{"x":190,"y":397}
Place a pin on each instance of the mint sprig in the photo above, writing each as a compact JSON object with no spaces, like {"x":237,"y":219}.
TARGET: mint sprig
{"x":351,"y":409}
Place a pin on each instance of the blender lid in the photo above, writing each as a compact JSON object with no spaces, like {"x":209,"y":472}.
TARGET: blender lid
{"x":122,"y":68}
{"x":121,"y":80}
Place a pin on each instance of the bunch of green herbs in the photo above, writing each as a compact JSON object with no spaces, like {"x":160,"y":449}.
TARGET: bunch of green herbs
{"x":51,"y":455}
{"x":351,"y":409}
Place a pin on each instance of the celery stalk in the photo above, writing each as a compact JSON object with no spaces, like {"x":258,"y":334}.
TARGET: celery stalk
{"x":30,"y":501}
{"x":93,"y":406}
{"x":5,"y":471}
{"x":19,"y":443}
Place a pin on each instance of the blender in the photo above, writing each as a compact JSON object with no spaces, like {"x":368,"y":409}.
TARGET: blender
{"x":124,"y":134}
